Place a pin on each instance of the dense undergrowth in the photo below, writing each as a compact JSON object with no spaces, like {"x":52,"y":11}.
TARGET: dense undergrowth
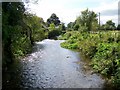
{"x":103,"y":49}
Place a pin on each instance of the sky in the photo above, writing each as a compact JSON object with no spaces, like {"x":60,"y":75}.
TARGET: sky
{"x":69,"y":10}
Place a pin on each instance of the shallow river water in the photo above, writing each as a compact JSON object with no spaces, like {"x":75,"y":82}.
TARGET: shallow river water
{"x":51,"y":66}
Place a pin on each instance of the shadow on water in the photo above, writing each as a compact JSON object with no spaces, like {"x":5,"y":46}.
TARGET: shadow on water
{"x":38,"y":46}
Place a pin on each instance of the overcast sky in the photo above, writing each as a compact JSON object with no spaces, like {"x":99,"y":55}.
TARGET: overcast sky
{"x":68,"y":10}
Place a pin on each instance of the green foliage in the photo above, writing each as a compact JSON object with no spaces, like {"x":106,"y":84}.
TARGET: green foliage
{"x":109,"y":25}
{"x":72,"y":43}
{"x":53,"y":19}
{"x":106,"y":56}
{"x":87,"y":21}
{"x":13,"y":14}
{"x":62,"y":27}
{"x":83,"y":28}
{"x":103,"y":48}
{"x":70,"y":26}
{"x":70,"y":46}
{"x":35,"y":24}
{"x":116,"y":79}
{"x":52,"y":27}
{"x":19,"y":30}
{"x":118,"y":27}
{"x":76,"y":27}
{"x":54,"y":33}
{"x":65,"y":36}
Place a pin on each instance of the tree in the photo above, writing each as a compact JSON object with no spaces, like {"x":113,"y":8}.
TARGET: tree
{"x":110,"y":25}
{"x":19,"y":31}
{"x":62,"y":27}
{"x":53,"y":19}
{"x":70,"y":25}
{"x":87,"y":19}
{"x":103,"y":27}
{"x":35,"y":24}
{"x":118,"y":27}
{"x":13,"y":14}
{"x":76,"y":27}
{"x":52,"y":27}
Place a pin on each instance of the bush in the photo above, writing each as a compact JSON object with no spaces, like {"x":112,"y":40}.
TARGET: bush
{"x":103,"y":48}
{"x":53,"y":34}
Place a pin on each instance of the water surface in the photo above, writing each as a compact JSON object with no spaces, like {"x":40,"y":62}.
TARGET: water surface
{"x":51,"y":66}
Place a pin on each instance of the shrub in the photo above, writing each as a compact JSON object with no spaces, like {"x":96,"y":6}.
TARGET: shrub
{"x":103,"y":48}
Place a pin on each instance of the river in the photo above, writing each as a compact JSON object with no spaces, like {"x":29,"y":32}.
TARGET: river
{"x":51,"y":66}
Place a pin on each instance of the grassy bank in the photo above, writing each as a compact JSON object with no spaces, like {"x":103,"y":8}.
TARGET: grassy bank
{"x":103,"y":49}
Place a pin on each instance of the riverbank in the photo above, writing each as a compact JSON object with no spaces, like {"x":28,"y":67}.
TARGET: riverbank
{"x":103,"y":50}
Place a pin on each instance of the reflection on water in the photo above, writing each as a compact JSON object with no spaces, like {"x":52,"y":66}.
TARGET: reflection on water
{"x":51,"y":66}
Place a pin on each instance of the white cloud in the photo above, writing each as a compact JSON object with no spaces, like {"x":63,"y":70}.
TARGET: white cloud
{"x":105,"y":6}
{"x":106,"y":18}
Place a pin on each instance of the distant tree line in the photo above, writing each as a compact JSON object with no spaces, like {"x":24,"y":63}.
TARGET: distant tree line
{"x":88,"y":21}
